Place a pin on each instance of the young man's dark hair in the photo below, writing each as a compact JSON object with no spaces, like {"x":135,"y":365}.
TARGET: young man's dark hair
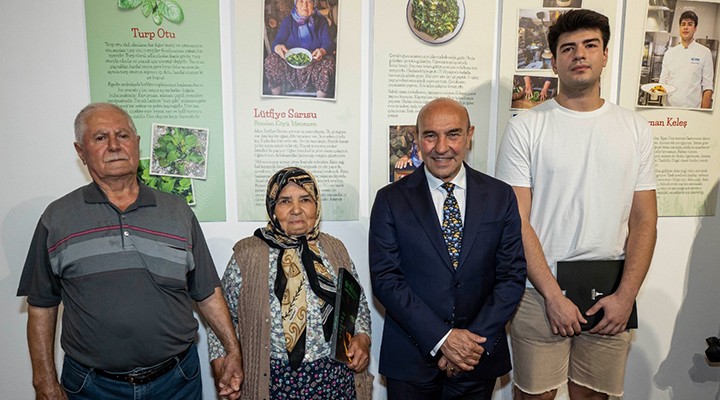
{"x":688,"y":15}
{"x":574,"y":20}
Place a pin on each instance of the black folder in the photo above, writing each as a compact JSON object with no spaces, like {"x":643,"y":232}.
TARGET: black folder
{"x":347,"y":305}
{"x":586,"y":282}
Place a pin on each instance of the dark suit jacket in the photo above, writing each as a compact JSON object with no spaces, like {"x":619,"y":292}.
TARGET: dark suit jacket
{"x":423,"y":295}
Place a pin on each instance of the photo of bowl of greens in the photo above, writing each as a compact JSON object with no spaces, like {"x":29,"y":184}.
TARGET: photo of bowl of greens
{"x":518,"y":92}
{"x":435,"y":21}
{"x":298,"y":58}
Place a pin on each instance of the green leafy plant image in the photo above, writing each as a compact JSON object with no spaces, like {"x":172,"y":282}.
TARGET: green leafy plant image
{"x":437,"y":18}
{"x":179,"y":186}
{"x":160,"y":9}
{"x":179,"y":151}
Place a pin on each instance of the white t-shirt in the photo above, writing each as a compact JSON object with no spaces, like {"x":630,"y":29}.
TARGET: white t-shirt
{"x":583,"y":169}
{"x":690,"y":70}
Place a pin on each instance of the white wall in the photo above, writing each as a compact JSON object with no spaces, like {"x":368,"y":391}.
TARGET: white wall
{"x":44,"y":82}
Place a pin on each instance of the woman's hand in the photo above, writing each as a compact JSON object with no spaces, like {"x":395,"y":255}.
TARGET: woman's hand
{"x":280,"y":49}
{"x":318,"y":53}
{"x":543,"y":94}
{"x":359,"y":352}
{"x":528,"y":88}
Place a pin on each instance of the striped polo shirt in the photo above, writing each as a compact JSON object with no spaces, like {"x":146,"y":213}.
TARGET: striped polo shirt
{"x":126,"y":279}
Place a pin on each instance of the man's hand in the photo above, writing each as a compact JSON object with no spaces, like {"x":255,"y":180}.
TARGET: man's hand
{"x":463,"y":349}
{"x":617,"y":311}
{"x":450,"y":369}
{"x":359,"y":352}
{"x":228,"y":375}
{"x":50,"y":391}
{"x":564,"y":316}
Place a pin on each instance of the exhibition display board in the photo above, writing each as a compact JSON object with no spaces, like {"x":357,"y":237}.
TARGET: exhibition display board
{"x":295,"y":126}
{"x":162,"y":66}
{"x":298,"y":102}
{"x":416,"y":59}
{"x":687,"y":162}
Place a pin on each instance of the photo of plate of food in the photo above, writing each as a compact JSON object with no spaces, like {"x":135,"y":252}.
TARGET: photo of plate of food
{"x":435,"y":21}
{"x":657,"y":89}
{"x":298,"y":57}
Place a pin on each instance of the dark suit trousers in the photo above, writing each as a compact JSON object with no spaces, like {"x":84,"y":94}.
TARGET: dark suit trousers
{"x":441,"y":388}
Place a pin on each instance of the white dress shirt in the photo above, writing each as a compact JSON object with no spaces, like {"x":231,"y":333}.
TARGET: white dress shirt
{"x":438,"y":197}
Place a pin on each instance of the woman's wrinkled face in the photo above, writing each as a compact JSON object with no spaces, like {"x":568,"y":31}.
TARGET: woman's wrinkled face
{"x":305,"y":7}
{"x":295,"y":210}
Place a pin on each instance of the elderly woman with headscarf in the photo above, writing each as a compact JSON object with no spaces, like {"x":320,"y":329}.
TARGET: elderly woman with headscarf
{"x":280,"y":288}
{"x":305,"y":28}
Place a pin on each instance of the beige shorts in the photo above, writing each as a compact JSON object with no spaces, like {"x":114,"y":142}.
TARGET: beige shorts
{"x":543,"y":361}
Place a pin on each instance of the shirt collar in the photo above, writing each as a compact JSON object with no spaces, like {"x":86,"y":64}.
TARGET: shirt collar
{"x":460,"y":180}
{"x":93,"y":194}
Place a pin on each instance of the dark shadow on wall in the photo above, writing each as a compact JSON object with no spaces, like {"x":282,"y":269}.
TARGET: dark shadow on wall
{"x":639,"y":368}
{"x":685,"y":372}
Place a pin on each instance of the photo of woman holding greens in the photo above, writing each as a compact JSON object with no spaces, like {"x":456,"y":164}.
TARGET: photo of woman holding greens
{"x":305,"y":28}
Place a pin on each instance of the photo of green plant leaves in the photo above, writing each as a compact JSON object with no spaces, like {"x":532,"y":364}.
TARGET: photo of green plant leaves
{"x":179,"y":151}
{"x":159,"y":9}
{"x":182,"y":187}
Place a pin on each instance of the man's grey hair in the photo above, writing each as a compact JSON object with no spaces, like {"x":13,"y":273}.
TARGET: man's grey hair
{"x":84,"y":114}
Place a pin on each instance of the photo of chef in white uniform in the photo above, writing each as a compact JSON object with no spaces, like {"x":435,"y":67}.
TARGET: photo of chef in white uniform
{"x":679,"y":55}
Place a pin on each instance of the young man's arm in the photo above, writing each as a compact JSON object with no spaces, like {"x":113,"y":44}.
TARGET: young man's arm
{"x":563,"y":314}
{"x":642,"y":234}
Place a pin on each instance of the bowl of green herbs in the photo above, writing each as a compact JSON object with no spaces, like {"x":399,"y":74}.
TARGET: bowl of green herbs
{"x":298,"y":57}
{"x":435,"y":21}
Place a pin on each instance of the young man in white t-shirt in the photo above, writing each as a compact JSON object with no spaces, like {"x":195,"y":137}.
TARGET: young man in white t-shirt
{"x":582,"y":171}
{"x":689,"y":68}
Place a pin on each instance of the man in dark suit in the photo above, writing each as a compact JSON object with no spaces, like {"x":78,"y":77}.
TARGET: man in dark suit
{"x":447,"y":263}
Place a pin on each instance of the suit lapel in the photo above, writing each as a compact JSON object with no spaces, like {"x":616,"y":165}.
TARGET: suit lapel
{"x":418,"y":197}
{"x":475,"y":198}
